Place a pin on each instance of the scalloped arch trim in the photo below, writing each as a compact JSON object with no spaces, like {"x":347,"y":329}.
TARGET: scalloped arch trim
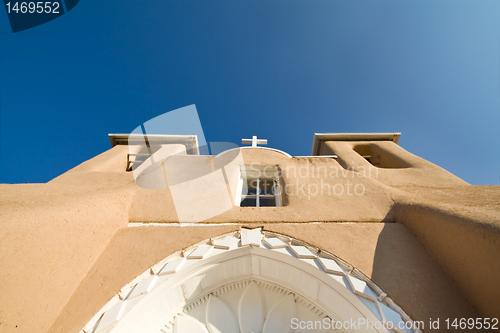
{"x":189,"y":288}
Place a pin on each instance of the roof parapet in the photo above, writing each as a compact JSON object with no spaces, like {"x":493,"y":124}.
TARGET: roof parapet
{"x":319,"y":138}
{"x":190,"y":141}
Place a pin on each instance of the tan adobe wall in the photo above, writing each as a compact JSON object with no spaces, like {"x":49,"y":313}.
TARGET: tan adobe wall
{"x":319,"y":189}
{"x":465,"y":244}
{"x":64,"y":239}
{"x":53,"y":233}
{"x":389,"y":254}
{"x":400,"y":166}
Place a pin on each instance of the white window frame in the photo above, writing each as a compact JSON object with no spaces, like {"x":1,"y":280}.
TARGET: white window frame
{"x":245,"y":175}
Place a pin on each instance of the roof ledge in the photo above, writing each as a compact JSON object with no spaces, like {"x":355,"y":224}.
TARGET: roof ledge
{"x":190,"y":141}
{"x":319,"y":138}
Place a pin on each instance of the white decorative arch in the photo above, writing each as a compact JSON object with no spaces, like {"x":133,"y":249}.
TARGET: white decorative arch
{"x":250,"y":281}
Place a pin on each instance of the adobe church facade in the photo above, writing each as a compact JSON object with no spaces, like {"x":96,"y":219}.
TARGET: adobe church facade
{"x":153,"y":236}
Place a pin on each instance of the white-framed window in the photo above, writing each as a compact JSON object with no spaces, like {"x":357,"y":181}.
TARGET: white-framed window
{"x":259,"y":186}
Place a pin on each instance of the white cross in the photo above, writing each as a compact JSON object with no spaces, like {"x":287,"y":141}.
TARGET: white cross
{"x":254,"y":141}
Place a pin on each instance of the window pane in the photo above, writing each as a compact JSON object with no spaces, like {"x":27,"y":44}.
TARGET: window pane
{"x":251,"y":187}
{"x":266,"y":186}
{"x":248,"y":202}
{"x":267,"y":202}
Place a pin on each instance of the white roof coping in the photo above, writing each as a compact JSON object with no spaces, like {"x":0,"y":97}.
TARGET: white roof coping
{"x":190,"y":141}
{"x":319,"y":138}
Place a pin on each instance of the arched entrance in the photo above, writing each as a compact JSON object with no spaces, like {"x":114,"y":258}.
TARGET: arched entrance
{"x":250,"y":281}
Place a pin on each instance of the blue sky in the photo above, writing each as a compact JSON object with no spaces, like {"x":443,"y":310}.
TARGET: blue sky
{"x":279,"y":69}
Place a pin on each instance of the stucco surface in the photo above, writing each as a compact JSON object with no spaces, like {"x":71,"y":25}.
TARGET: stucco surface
{"x":317,"y":189}
{"x":411,"y":168}
{"x":460,"y":226}
{"x":468,"y":250}
{"x":130,"y":252}
{"x":66,"y":246}
{"x":390,"y":255}
{"x":50,"y":238}
{"x":53,"y":233}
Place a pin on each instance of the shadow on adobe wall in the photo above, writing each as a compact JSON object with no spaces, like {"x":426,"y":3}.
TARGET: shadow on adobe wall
{"x":405,"y":270}
{"x":465,"y":243}
{"x":459,"y":280}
